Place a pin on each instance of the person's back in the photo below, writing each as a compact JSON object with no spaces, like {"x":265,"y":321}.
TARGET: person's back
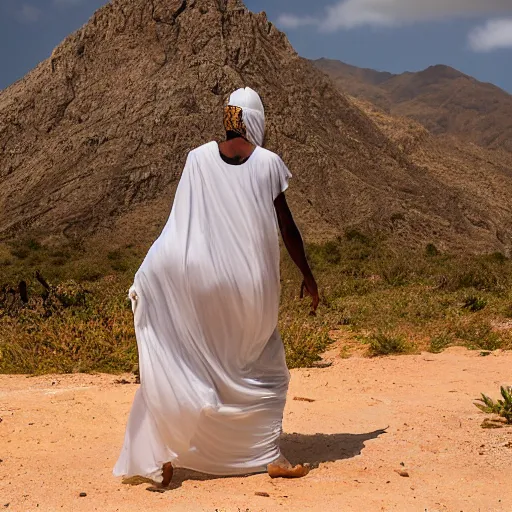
{"x":212,"y":365}
{"x":235,"y":203}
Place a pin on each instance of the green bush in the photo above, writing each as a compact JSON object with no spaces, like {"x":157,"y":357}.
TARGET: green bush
{"x":304,"y":340}
{"x":322,"y":255}
{"x":498,"y":257}
{"x":474,"y":303}
{"x":431,"y":250}
{"x":88,"y":272}
{"x":479,"y":336}
{"x":120,"y":266}
{"x":20,"y":252}
{"x":33,"y":245}
{"x":114,"y":255}
{"x":71,"y":294}
{"x":80,"y":336}
{"x":22,"y":249}
{"x":440,"y":342}
{"x":367,"y":283}
{"x":354,"y":235}
{"x":383,"y":344}
{"x":398,"y":273}
{"x":501,"y":408}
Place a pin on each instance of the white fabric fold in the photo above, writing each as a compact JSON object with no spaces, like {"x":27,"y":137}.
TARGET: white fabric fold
{"x":205,"y":302}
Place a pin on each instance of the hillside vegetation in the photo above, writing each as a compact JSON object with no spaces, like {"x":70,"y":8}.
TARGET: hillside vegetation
{"x":376,"y":299}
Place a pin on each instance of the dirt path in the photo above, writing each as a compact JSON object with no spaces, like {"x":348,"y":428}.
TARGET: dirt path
{"x":60,"y":436}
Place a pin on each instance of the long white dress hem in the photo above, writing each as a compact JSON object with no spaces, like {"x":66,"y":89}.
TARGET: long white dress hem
{"x":205,"y":301}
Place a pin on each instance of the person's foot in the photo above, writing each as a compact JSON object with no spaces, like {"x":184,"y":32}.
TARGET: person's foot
{"x":167,"y":473}
{"x":281,"y":468}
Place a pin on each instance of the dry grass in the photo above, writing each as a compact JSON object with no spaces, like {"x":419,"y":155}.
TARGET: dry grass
{"x":394,"y":300}
{"x":93,"y":336}
{"x":383,"y":344}
{"x":384,"y":299}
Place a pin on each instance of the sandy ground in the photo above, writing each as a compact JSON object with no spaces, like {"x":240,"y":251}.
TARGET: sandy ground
{"x":60,"y":437}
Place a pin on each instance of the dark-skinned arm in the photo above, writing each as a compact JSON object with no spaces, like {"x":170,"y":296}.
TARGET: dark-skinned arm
{"x":295,"y":246}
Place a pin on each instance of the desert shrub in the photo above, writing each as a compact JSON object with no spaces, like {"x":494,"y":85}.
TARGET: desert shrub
{"x":114,"y":255}
{"x":474,"y":303}
{"x":367,"y":283}
{"x":20,"y":252}
{"x":397,"y":273}
{"x":479,"y":336}
{"x":501,"y":408}
{"x":324,"y":254}
{"x":85,"y":334}
{"x":354,"y":235}
{"x":431,"y":250}
{"x":120,"y":266}
{"x":71,"y":294}
{"x":33,"y":245}
{"x":478,"y":279}
{"x":304,"y":340}
{"x":87,"y":272}
{"x":479,"y":273}
{"x":357,"y":252}
{"x":383,"y":344}
{"x":439,"y":343}
{"x":498,"y":257}
{"x":360,"y":247}
{"x":23,"y":248}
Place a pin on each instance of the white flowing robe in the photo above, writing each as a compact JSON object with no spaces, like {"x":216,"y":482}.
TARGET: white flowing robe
{"x":205,"y":300}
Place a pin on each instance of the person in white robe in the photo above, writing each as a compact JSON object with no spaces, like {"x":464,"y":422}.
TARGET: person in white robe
{"x":205,"y":301}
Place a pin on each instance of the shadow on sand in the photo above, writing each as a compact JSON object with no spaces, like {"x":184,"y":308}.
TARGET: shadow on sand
{"x":317,"y":448}
{"x":298,"y":448}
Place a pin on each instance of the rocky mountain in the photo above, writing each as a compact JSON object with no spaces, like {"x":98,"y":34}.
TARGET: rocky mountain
{"x":93,"y":140}
{"x":358,"y":82}
{"x":441,"y":98}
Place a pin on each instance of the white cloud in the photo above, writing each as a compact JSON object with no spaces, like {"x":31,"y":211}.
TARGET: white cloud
{"x":494,"y":35}
{"x":292,"y":21}
{"x":28,"y":14}
{"x":348,"y":14}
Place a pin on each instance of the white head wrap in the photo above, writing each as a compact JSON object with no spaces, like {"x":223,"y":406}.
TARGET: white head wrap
{"x":253,"y":113}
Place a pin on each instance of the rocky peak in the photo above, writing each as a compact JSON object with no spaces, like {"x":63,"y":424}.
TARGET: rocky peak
{"x":98,"y":133}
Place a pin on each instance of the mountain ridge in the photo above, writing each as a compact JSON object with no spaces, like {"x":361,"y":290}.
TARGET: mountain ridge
{"x":442,"y":98}
{"x":94,"y":139}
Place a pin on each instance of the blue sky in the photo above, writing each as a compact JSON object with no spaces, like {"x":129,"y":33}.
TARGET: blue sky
{"x":474,"y":36}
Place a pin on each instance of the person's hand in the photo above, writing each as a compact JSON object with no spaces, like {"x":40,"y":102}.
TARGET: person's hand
{"x":309,"y":285}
